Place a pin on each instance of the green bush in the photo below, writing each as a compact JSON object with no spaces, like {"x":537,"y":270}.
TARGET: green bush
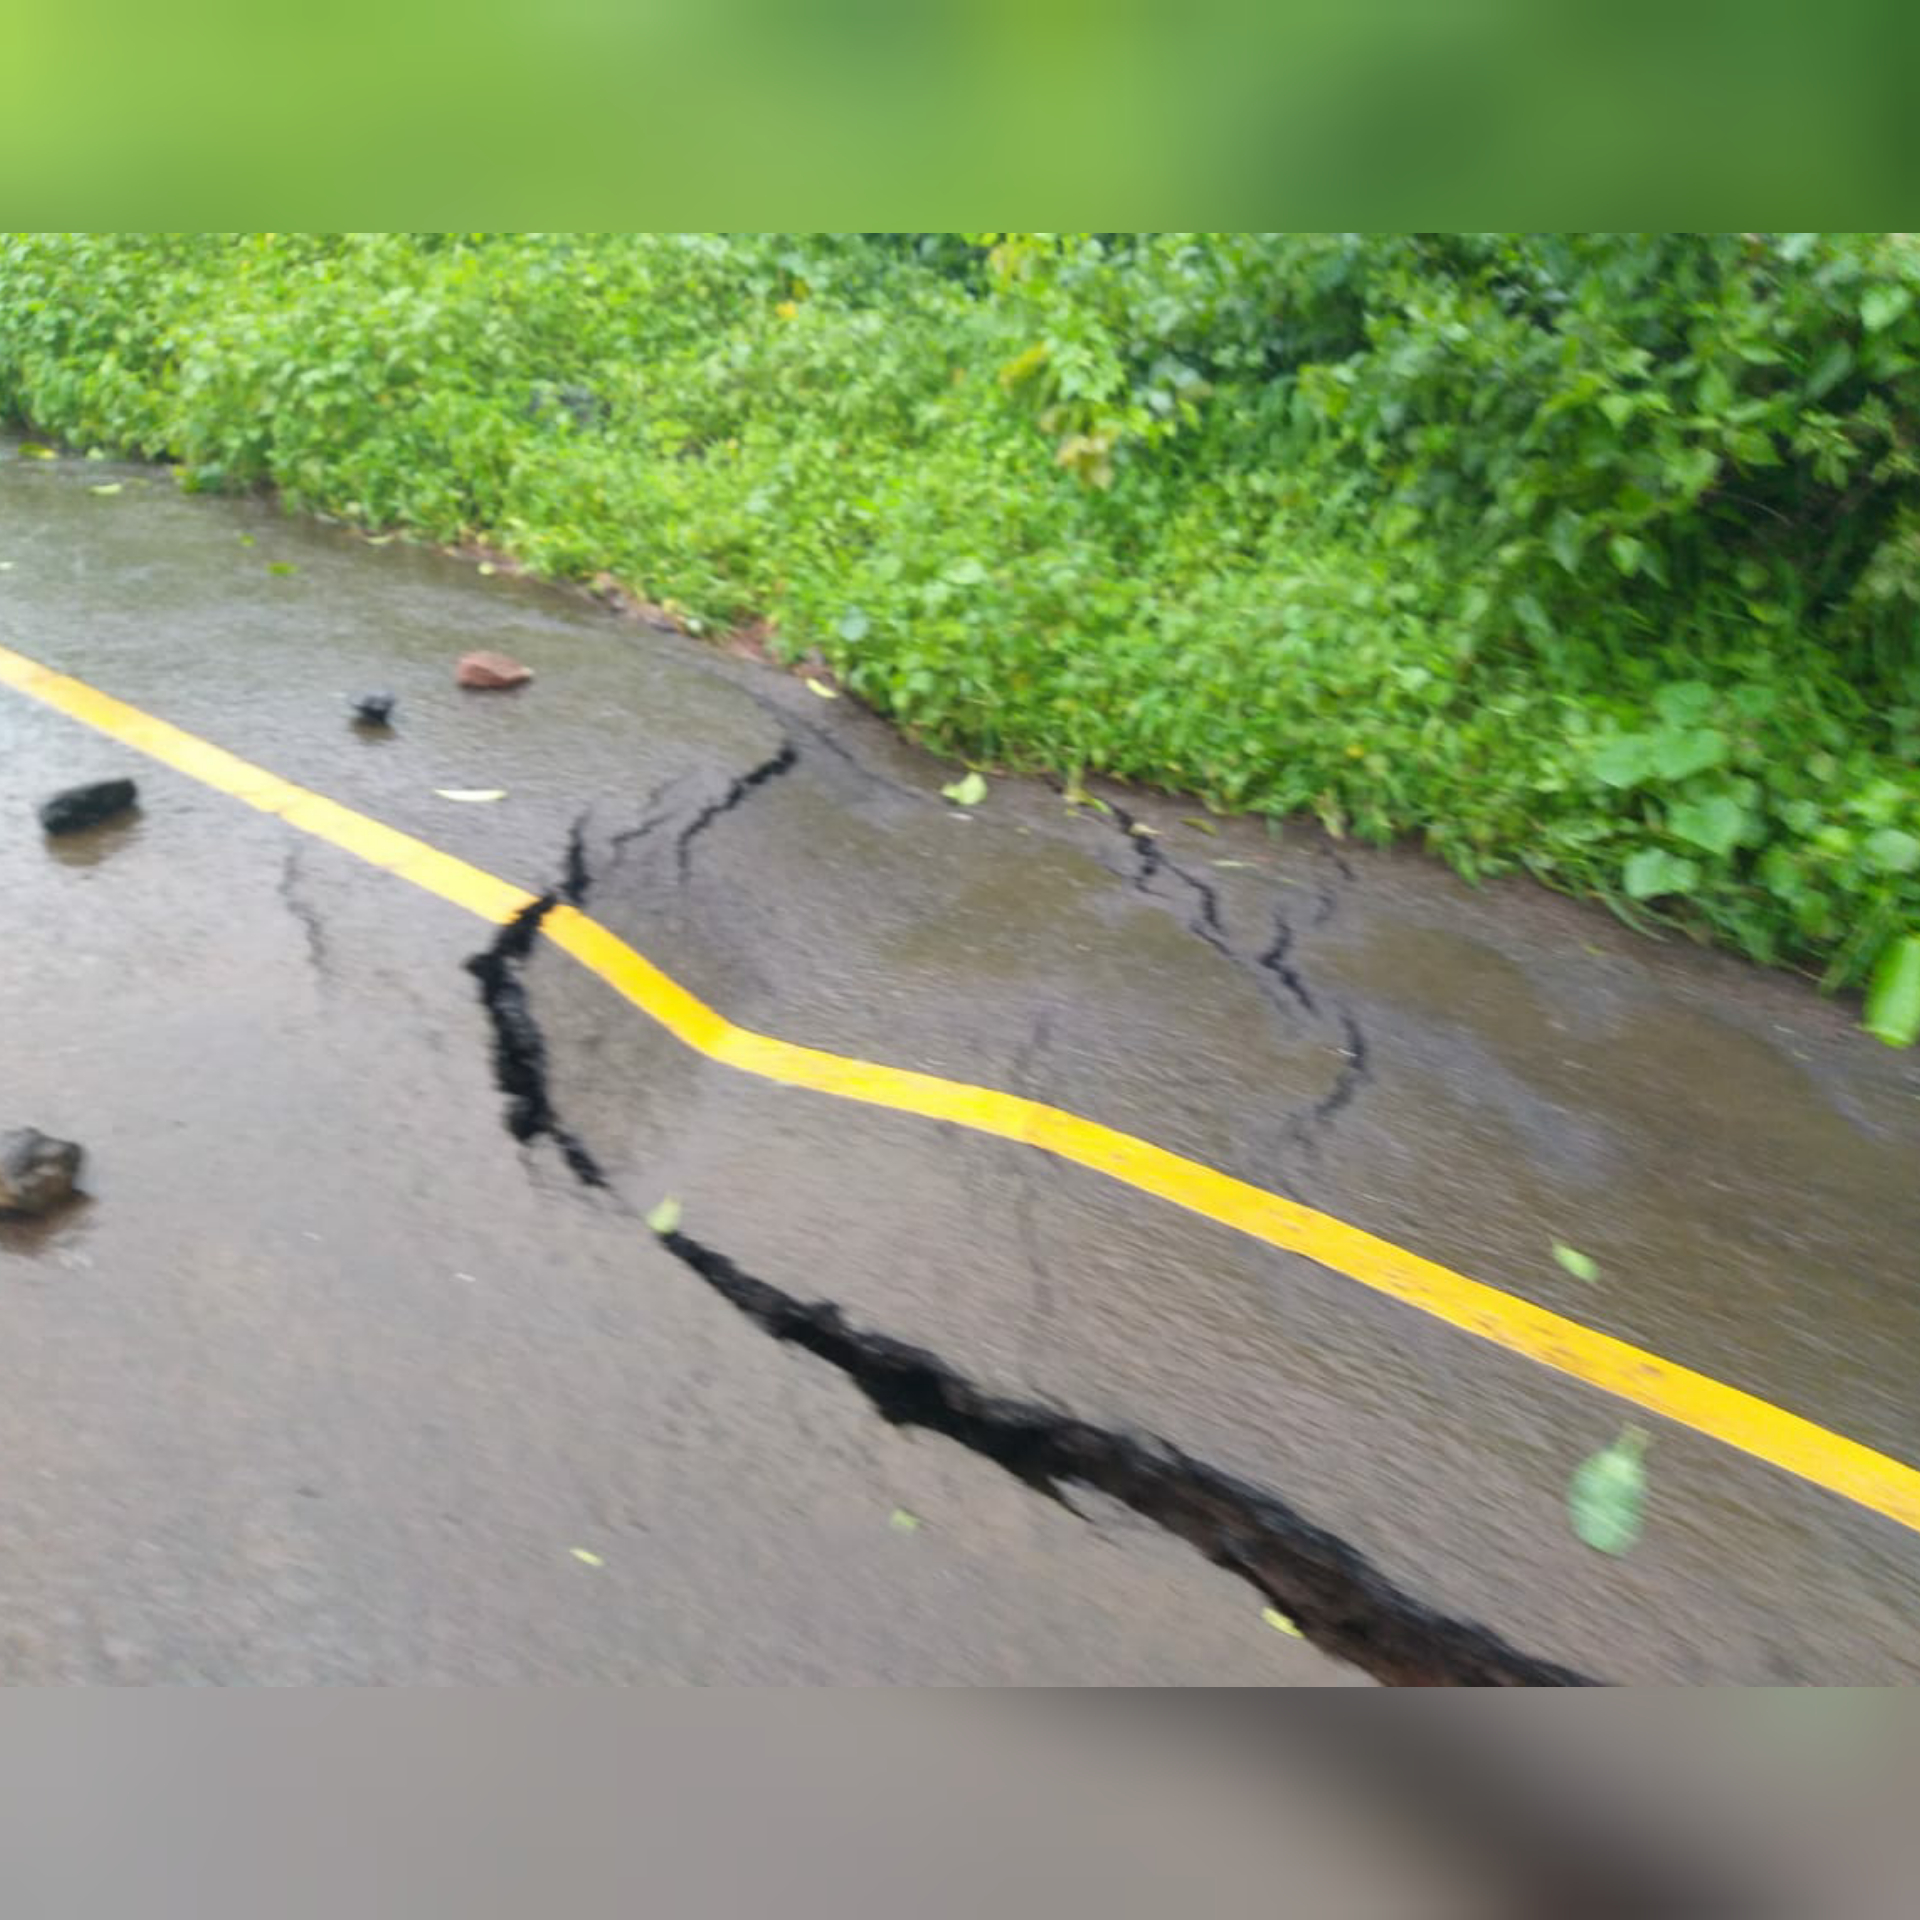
{"x":1597,"y":554}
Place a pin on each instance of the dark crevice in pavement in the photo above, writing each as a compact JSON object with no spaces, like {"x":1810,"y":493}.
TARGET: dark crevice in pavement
{"x":1337,"y":1598}
{"x":785,"y":719}
{"x":1280,"y":975}
{"x":738,"y":790}
{"x":319,"y":954}
{"x":519,"y":1048}
{"x":1150,"y":860}
{"x":1353,"y":1071}
{"x":1276,"y":962}
{"x":1333,"y":1594}
{"x":574,"y":888}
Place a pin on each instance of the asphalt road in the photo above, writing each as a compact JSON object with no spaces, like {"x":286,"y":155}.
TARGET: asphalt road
{"x":330,"y":1379}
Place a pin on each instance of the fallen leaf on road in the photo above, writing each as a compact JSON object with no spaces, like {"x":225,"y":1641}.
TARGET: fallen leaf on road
{"x":471,"y":793}
{"x":1582,"y":1266}
{"x":665,"y":1218}
{"x":1204,"y":826}
{"x":901,"y":1521}
{"x":487,"y":567}
{"x":1892,"y":1013}
{"x":30,"y":451}
{"x":1229,"y":863}
{"x":586,"y":1558}
{"x":1607,"y":1493}
{"x":1279,"y":1622}
{"x":823,"y":690}
{"x":246,"y":539}
{"x":1141,"y":831}
{"x":281,"y":567}
{"x":106,"y":486}
{"x":968,"y":791}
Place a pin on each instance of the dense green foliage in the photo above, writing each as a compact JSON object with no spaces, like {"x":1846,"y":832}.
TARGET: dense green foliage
{"x":1597,"y":554}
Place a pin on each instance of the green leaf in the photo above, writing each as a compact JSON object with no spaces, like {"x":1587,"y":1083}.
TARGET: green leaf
{"x":854,"y":625}
{"x":664,"y":1218}
{"x":1893,"y":1000}
{"x":901,"y":1521}
{"x":1892,"y":851}
{"x":1607,"y":1494}
{"x":966,"y":573}
{"x":968,"y":791}
{"x":1880,"y":307}
{"x":822,"y":689}
{"x":30,"y":450}
{"x":1625,"y":760}
{"x":1627,"y":553}
{"x":1583,"y":1266}
{"x":586,"y":1557}
{"x":1683,"y":703}
{"x":1281,"y":1623}
{"x":1654,"y":871}
{"x":1835,"y":364}
{"x":1678,"y":755}
{"x":1714,"y":824}
{"x":105,"y":487}
{"x":281,"y":566}
{"x":1565,"y":539}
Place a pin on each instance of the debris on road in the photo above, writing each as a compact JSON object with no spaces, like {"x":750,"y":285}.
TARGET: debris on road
{"x":968,"y":791}
{"x":79,"y":807}
{"x":490,"y":670}
{"x":1583,"y":1266}
{"x":474,"y":794}
{"x":665,"y":1218}
{"x":901,"y":1521}
{"x":587,"y":1557}
{"x":36,"y":1170}
{"x":374,"y":709}
{"x":1608,"y":1492}
{"x":1281,"y":1623}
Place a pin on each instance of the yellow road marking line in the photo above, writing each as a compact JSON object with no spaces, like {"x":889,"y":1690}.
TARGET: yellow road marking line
{"x":1740,"y":1420}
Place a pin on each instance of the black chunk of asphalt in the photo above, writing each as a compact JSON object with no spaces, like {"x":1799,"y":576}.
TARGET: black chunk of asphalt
{"x":77,"y":808}
{"x":374,"y":709}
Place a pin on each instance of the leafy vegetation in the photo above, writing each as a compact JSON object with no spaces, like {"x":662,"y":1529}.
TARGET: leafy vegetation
{"x":1593,"y":554}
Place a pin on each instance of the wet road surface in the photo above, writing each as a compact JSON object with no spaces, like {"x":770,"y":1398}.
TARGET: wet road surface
{"x":330,"y":1377}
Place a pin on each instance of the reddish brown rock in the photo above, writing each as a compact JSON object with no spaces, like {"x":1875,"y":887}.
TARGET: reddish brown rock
{"x":491,"y":670}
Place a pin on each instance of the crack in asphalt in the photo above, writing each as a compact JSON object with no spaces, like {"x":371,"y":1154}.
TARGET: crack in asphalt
{"x":519,"y":1047}
{"x":319,"y":953}
{"x":1335,"y":1596}
{"x":738,"y":790}
{"x":1280,"y":976}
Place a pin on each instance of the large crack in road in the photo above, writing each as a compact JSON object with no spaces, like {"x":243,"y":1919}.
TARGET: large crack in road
{"x":1337,"y":1598}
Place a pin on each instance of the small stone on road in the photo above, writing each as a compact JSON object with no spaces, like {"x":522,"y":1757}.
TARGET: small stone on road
{"x":36,"y":1170}
{"x":79,"y":807}
{"x":491,"y":670}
